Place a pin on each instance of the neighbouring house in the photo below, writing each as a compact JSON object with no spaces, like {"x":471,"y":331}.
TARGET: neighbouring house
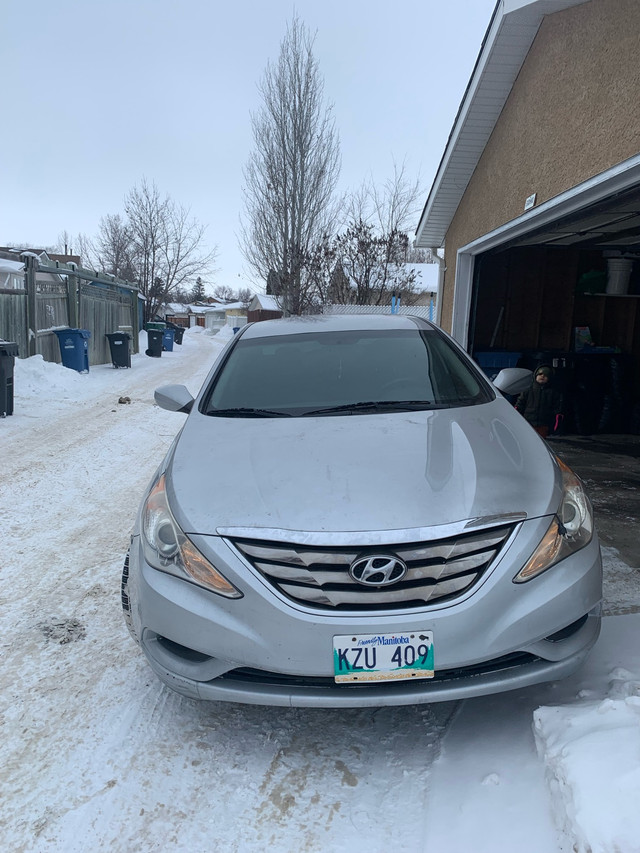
{"x":263,"y":307}
{"x":536,"y":202}
{"x":67,"y":259}
{"x":178,"y":314}
{"x":232,"y":314}
{"x":11,"y":274}
{"x":192,"y":314}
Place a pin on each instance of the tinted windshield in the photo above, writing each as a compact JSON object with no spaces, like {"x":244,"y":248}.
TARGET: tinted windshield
{"x":321,"y":372}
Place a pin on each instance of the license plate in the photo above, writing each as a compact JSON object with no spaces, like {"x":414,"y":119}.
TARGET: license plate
{"x":383,"y":657}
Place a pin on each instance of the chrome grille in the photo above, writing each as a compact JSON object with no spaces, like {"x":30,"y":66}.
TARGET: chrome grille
{"x":319,"y":577}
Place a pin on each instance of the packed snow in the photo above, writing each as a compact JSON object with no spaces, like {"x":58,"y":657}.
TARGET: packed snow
{"x":97,"y":755}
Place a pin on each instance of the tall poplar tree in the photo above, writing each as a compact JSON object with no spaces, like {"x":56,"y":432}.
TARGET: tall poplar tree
{"x":291,"y":174}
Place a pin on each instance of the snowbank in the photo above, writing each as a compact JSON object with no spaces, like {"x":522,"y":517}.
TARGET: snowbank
{"x":591,"y":750}
{"x":36,"y":378}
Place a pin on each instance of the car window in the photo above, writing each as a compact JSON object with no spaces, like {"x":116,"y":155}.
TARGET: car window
{"x":308,"y":373}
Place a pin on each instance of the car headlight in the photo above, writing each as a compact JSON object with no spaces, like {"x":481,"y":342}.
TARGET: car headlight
{"x":167,"y":549}
{"x":570,"y":530}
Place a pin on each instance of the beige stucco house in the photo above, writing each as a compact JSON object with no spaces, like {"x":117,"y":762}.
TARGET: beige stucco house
{"x":537,"y":197}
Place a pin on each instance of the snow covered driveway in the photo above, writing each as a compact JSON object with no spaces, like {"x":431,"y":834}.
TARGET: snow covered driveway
{"x":95,"y":754}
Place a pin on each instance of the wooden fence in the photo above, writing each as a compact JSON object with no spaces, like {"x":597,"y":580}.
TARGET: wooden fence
{"x":52,"y":295}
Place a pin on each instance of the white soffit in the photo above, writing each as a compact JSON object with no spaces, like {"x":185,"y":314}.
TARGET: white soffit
{"x":511,"y":32}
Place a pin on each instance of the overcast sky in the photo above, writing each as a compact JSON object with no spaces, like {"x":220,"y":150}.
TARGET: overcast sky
{"x":99,"y":95}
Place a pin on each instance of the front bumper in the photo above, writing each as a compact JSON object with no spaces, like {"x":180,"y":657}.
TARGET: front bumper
{"x":264,"y":649}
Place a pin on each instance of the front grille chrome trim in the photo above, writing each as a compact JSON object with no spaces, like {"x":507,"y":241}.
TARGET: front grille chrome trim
{"x":319,"y":577}
{"x":368,"y":538}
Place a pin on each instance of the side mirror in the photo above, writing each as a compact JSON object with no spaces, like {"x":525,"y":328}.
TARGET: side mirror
{"x":174,"y":398}
{"x":513,"y":380}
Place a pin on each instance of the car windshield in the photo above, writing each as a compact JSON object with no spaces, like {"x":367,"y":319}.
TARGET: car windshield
{"x":346,"y":372}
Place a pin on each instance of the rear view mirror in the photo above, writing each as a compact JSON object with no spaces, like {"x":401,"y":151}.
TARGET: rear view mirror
{"x":174,"y":398}
{"x":513,"y":380}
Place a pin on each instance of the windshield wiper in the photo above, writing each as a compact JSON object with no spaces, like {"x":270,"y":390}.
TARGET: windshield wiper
{"x":247,"y":413}
{"x":374,"y":406}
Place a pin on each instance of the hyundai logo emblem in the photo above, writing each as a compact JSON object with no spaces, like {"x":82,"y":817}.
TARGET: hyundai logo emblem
{"x":378,"y":570}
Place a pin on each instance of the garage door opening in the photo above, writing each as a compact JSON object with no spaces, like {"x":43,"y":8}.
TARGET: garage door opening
{"x":568,"y":294}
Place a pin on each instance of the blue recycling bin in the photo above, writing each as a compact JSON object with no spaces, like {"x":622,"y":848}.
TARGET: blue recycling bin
{"x":167,"y":340}
{"x":74,"y":348}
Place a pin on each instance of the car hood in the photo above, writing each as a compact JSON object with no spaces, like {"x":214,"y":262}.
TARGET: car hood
{"x":359,"y":472}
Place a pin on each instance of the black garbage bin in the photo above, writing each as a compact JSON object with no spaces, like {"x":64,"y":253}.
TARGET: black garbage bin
{"x":154,"y":336}
{"x":178,"y":332}
{"x":119,"y":345}
{"x":8,"y":353}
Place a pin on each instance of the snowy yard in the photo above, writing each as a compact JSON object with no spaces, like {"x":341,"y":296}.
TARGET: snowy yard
{"x":97,"y":755}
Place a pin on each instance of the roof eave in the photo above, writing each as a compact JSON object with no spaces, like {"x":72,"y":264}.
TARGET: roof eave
{"x":510,"y":34}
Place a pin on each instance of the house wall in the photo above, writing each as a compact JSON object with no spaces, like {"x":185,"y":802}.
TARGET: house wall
{"x":573,"y":112}
{"x":262,"y":314}
{"x":178,"y":320}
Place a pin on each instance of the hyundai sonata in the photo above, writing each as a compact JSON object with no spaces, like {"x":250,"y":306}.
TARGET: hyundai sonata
{"x":353,"y":515}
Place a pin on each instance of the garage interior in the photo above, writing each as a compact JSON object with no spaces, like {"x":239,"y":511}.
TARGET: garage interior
{"x":568,"y":295}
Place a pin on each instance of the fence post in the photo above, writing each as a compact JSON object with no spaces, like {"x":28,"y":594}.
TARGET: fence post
{"x":72,"y":300}
{"x":30,"y":266}
{"x":134,"y":321}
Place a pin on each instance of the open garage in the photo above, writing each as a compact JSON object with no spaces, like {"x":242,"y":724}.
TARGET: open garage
{"x":536,"y":205}
{"x":568,"y":294}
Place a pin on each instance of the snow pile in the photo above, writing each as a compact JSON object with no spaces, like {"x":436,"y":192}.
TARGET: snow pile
{"x":591,"y":750}
{"x":35,"y":377}
{"x":225,"y":333}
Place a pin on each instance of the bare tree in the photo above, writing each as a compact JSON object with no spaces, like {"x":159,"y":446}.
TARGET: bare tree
{"x":420,"y":256}
{"x":114,"y":249}
{"x":65,"y":243}
{"x":85,"y":248}
{"x":292,"y":172}
{"x":167,"y":245}
{"x":371,"y":253}
{"x":244,"y":295}
{"x":146,"y":215}
{"x":224,"y":292}
{"x":81,"y":246}
{"x":393,"y":205}
{"x":371,"y":267}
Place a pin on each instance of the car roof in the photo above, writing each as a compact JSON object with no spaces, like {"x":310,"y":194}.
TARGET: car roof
{"x":333,"y":323}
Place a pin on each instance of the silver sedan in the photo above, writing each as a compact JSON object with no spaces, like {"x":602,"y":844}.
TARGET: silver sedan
{"x":353,"y":515}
